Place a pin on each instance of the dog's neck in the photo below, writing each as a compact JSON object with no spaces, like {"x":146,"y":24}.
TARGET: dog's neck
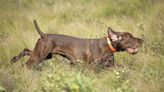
{"x":113,"y":46}
{"x":110,"y":45}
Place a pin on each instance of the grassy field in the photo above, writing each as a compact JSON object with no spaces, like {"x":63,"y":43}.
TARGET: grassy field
{"x":143,"y":72}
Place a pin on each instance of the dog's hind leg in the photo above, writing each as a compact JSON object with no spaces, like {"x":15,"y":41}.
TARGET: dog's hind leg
{"x":25,"y":52}
{"x":65,"y":53}
{"x":71,"y":58}
{"x":41,"y":51}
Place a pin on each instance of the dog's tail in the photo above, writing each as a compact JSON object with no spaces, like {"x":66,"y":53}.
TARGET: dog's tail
{"x":38,"y":29}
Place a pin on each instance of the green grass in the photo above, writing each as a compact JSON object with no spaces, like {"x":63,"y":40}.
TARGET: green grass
{"x":143,"y":72}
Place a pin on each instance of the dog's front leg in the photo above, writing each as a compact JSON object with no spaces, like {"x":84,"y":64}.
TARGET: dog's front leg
{"x":108,"y":61}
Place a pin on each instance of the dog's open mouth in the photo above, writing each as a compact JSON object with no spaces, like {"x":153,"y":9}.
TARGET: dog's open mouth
{"x":132,"y":50}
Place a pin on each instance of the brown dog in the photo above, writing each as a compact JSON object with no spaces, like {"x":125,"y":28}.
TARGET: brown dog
{"x":87,"y":50}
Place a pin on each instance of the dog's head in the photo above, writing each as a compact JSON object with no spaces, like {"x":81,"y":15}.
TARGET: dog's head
{"x":124,"y":41}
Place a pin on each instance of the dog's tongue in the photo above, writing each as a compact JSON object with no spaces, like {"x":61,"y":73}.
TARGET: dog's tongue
{"x":132,"y":50}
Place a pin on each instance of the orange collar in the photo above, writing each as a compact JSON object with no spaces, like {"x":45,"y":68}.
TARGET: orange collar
{"x":110,"y":45}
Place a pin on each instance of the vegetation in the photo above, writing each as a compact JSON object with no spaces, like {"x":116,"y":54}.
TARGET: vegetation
{"x":143,"y":72}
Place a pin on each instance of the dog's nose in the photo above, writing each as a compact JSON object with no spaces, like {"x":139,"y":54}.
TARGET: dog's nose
{"x":141,"y":41}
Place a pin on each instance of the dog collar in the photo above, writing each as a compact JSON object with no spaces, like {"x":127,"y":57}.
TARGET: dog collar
{"x":110,"y":45}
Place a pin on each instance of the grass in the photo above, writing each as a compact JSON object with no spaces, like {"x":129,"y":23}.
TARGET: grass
{"x":143,"y":72}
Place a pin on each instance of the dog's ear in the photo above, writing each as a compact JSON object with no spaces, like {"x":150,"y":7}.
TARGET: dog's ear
{"x":113,"y":35}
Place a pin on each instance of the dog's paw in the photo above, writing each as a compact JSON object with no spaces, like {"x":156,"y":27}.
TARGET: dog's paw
{"x":14,"y":59}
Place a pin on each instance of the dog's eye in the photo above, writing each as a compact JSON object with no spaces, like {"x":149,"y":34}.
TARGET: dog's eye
{"x":119,"y":37}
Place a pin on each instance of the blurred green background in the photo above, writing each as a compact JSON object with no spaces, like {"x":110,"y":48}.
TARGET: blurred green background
{"x":143,"y":72}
